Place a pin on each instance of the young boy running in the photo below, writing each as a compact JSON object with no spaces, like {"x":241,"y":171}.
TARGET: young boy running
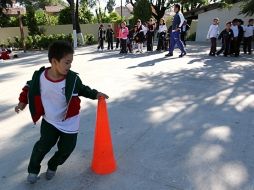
{"x":53,"y":93}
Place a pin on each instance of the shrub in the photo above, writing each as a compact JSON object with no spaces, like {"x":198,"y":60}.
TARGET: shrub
{"x":38,"y":41}
{"x":89,"y":39}
{"x":192,"y":37}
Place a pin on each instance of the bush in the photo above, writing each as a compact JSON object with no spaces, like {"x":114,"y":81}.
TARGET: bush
{"x":191,"y":37}
{"x":89,"y":39}
{"x":38,"y":41}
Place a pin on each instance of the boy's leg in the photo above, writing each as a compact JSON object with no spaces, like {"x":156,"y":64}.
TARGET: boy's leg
{"x":66,"y":145}
{"x":49,"y":137}
{"x":245,"y":42}
{"x":108,"y":44}
{"x":249,"y":41}
{"x":111,"y":42}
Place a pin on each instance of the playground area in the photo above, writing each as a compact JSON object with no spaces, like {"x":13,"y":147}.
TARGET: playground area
{"x":176,"y":123}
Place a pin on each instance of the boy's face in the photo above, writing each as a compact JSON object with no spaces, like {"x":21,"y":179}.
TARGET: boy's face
{"x":63,"y":66}
{"x":215,"y":21}
{"x":228,"y":26}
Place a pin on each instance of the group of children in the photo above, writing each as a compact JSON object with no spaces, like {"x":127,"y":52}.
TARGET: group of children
{"x":234,"y":34}
{"x":129,"y":39}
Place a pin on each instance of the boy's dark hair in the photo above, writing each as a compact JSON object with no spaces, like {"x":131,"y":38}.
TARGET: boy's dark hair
{"x":59,"y":49}
{"x":177,"y":6}
{"x":251,"y":20}
{"x":235,"y":20}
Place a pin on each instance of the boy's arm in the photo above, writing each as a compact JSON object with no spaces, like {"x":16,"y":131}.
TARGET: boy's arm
{"x":87,"y":92}
{"x":23,"y":99}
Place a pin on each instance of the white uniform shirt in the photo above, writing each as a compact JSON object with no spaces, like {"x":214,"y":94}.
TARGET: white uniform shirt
{"x":213,"y":31}
{"x":248,"y":31}
{"x":55,"y":105}
{"x":162,"y":28}
{"x":235,"y":30}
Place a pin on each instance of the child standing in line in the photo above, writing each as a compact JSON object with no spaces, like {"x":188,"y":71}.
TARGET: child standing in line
{"x":234,"y":42}
{"x":53,"y":93}
{"x":140,"y":36}
{"x":101,"y":37}
{"x":248,"y":35}
{"x":118,"y":36}
{"x":226,"y":35}
{"x":109,"y":36}
{"x":150,"y":34}
{"x":123,"y":37}
{"x":161,"y":35}
{"x":212,"y":34}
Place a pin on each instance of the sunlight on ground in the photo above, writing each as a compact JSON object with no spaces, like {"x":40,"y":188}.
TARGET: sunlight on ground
{"x":222,"y":133}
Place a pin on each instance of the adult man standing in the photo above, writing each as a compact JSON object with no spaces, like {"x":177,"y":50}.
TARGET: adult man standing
{"x":176,"y":32}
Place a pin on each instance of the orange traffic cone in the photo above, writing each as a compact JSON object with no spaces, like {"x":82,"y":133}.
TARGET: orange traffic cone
{"x":103,"y":155}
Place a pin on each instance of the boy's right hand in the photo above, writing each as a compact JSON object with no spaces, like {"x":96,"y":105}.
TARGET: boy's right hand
{"x":20,"y":107}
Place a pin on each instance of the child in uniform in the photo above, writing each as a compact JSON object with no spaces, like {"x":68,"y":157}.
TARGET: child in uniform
{"x":212,"y":34}
{"x":53,"y":94}
{"x":226,"y":35}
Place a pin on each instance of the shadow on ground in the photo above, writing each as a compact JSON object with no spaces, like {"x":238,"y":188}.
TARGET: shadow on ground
{"x":186,"y":130}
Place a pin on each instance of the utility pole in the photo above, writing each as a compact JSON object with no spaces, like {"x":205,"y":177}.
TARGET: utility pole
{"x":121,"y":9}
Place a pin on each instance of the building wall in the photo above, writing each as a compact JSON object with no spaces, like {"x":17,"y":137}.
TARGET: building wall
{"x":11,"y":32}
{"x":225,"y":15}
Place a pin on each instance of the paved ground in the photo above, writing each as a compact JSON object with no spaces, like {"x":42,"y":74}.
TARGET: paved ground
{"x":176,"y":123}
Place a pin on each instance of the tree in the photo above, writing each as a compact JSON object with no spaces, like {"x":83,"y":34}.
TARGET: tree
{"x":110,"y":5}
{"x":142,"y":10}
{"x":247,"y":8}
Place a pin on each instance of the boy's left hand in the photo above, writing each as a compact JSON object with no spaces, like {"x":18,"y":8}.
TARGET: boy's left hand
{"x":100,"y":94}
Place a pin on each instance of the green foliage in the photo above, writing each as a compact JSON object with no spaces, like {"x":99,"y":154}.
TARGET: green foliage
{"x":247,"y":9}
{"x":65,"y":16}
{"x":90,"y":39}
{"x":38,"y":41}
{"x":85,"y":16}
{"x":110,"y":5}
{"x":41,"y":17}
{"x":142,"y":10}
{"x":43,"y":41}
{"x":31,"y":20}
{"x":191,"y":37}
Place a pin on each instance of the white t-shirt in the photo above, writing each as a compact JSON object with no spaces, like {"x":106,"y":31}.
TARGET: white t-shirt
{"x":162,"y":28}
{"x":55,"y":105}
{"x":213,"y":31}
{"x":248,"y":31}
{"x":235,"y":30}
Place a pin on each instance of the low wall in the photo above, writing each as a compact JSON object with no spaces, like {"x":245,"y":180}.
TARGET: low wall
{"x":11,"y":32}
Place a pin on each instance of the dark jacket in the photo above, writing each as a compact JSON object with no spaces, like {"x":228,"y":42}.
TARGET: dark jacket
{"x":31,"y":94}
{"x":109,"y":34}
{"x":226,"y":35}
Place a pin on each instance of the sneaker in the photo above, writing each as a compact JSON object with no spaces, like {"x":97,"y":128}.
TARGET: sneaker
{"x":169,"y":55}
{"x":50,"y":174}
{"x":182,"y":54}
{"x":32,"y":178}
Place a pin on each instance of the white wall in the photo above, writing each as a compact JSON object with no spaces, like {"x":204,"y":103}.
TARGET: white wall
{"x":225,"y":15}
{"x":11,"y":32}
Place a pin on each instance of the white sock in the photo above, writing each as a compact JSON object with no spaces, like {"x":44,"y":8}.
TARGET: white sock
{"x":141,"y":47}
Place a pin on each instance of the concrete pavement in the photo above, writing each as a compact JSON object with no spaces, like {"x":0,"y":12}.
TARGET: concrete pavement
{"x":176,"y":123}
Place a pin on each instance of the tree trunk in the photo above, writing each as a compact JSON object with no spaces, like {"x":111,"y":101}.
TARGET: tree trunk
{"x":80,"y":37}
